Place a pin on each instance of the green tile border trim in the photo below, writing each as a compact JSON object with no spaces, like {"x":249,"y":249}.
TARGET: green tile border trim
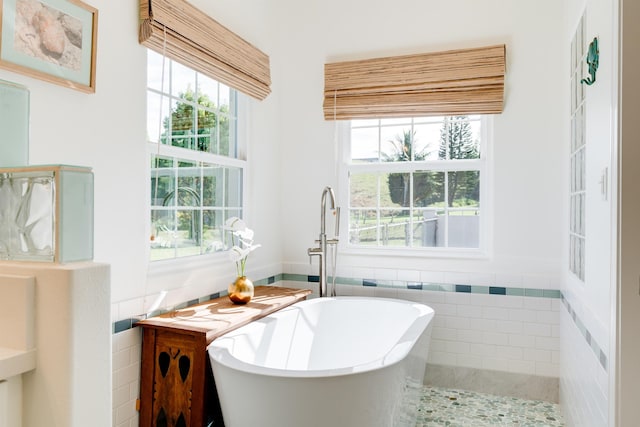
{"x":432,"y":286}
{"x":588,"y":337}
{"x":494,"y":290}
{"x":515,"y":292}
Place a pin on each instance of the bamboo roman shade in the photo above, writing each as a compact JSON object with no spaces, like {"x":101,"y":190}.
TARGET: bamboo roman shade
{"x":456,"y":82}
{"x":187,"y":35}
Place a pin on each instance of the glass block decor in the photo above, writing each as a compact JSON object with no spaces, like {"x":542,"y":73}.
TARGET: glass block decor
{"x":578,"y":168}
{"x":14,"y":124}
{"x":46,"y":213}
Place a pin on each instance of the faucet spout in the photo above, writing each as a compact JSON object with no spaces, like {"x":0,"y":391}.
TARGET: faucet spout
{"x":321,"y":251}
{"x":323,"y":207}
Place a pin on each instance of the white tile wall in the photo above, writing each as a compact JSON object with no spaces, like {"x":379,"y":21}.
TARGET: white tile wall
{"x":509,"y":280}
{"x":409,"y":275}
{"x":498,"y":332}
{"x":506,"y":333}
{"x":127,"y":348}
{"x":432,"y":276}
{"x":584,"y":392}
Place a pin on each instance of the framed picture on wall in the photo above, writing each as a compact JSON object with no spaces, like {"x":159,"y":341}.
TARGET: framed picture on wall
{"x":53,"y":40}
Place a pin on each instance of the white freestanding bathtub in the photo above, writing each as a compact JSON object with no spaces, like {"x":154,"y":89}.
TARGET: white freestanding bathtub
{"x":326,"y":362}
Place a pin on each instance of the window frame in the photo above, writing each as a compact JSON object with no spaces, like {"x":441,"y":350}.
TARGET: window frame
{"x":483,"y":165}
{"x":160,"y":267}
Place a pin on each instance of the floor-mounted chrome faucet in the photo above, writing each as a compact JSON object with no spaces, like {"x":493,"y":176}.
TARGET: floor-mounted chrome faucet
{"x":321,"y":250}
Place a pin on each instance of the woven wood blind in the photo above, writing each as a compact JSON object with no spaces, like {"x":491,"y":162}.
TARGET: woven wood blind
{"x":198,"y":41}
{"x":456,"y":82}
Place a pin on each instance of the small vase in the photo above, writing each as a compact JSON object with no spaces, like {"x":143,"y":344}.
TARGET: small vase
{"x":241,"y":291}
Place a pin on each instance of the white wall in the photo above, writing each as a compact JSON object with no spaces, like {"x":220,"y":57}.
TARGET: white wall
{"x":528,"y":136}
{"x":584,"y":375}
{"x":106,"y":131}
{"x":292,"y":154}
{"x":528,"y":169}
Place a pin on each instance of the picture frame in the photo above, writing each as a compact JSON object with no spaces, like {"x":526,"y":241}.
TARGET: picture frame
{"x":52,"y":40}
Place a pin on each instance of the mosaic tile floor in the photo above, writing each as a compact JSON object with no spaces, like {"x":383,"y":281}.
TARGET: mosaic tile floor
{"x":460,"y":408}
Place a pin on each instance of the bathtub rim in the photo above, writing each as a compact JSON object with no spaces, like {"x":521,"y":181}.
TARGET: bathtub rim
{"x":396,"y":354}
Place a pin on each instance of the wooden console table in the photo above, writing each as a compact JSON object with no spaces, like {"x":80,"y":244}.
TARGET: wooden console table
{"x":176,"y":384}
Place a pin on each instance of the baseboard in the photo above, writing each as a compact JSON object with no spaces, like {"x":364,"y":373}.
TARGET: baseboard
{"x":494,"y":382}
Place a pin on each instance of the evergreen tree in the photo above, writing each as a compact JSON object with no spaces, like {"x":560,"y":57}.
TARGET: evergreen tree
{"x":456,"y":142}
{"x":399,"y":183}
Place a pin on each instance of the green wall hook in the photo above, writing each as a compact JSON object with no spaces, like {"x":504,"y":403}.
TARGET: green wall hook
{"x":593,"y":58}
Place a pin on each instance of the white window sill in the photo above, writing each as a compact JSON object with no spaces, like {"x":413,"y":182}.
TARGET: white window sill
{"x":161,"y":268}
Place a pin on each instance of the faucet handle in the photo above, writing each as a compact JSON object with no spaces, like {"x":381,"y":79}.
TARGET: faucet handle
{"x":337,"y":214}
{"x":314,"y":251}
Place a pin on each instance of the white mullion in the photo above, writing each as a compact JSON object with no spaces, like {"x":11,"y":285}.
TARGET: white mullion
{"x":413,"y":151}
{"x":378,"y":214}
{"x":446,"y":209}
{"x":431,"y":165}
{"x":194,"y":120}
{"x":485,"y":207}
{"x":458,"y":165}
{"x":233,"y":109}
{"x":225,"y":209}
{"x":170,"y":115}
{"x":413,"y":157}
{"x":224,"y":192}
{"x":217,"y":132}
{"x":379,"y":141}
{"x":167,"y":94}
{"x":378,"y":187}
{"x":447,"y":123}
{"x":410,"y":209}
{"x":190,"y":155}
{"x":194,"y":125}
{"x":201,"y":207}
{"x":175,"y":206}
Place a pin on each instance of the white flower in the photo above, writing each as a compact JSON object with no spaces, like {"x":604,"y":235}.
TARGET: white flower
{"x":244,"y":246}
{"x":252,"y":248}
{"x":246,"y":235}
{"x":237,"y":254}
{"x":235,"y":224}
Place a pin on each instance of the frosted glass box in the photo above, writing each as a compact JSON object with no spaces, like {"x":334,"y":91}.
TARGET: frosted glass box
{"x":14,"y":125}
{"x":46,"y":213}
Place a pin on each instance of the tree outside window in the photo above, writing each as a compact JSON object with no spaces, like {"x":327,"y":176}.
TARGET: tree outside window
{"x":430,"y":201}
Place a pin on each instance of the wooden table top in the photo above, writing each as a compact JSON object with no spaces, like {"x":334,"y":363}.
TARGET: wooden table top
{"x":218,"y":316}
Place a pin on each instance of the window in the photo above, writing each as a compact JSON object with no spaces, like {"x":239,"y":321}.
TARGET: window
{"x":417,"y":182}
{"x":578,"y":167}
{"x":197,"y":172}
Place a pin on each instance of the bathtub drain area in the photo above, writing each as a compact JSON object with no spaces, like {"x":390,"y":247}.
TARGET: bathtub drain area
{"x":460,"y":408}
